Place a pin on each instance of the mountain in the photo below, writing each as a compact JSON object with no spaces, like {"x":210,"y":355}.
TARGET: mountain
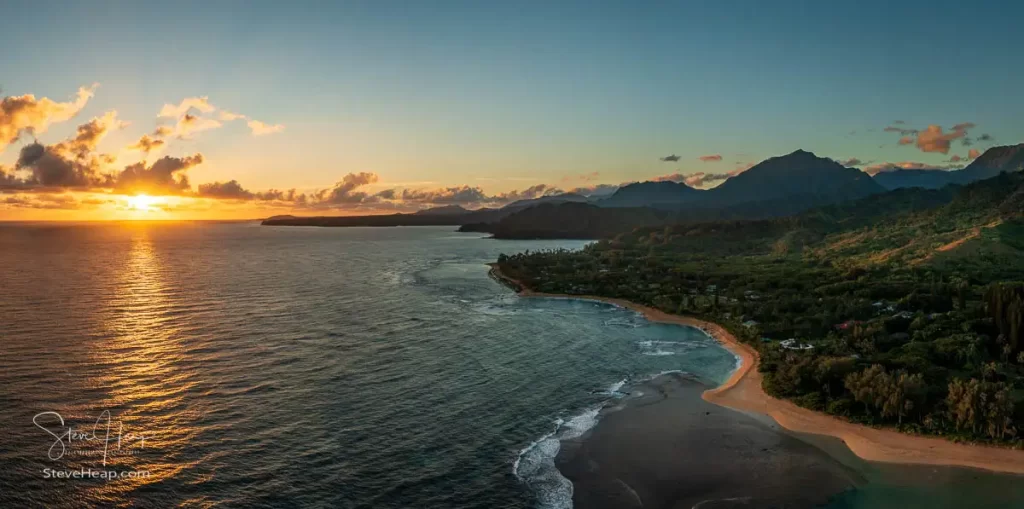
{"x":446,"y":210}
{"x":1009,"y":158}
{"x":994,"y":161}
{"x":555,"y":198}
{"x":801,"y":176}
{"x":663,"y":194}
{"x":572,"y":221}
{"x":925,"y":179}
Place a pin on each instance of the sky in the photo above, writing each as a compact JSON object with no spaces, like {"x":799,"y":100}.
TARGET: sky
{"x":336,"y":108}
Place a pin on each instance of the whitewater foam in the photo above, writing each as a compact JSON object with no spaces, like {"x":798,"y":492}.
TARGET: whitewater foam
{"x":535,"y":463}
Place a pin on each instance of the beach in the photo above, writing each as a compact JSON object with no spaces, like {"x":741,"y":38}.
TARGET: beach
{"x":743,"y":392}
{"x":663,"y":446}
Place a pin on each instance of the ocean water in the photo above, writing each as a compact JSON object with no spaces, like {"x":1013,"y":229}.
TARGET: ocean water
{"x":249,"y":366}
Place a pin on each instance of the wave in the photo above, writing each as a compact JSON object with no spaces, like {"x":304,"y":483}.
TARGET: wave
{"x":535,"y":463}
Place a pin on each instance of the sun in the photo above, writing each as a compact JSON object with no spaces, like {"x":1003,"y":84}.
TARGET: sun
{"x":143,"y":202}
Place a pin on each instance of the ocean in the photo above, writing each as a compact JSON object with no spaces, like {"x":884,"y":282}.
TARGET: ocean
{"x":235,"y":365}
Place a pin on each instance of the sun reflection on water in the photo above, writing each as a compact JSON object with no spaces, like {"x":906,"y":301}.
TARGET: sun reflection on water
{"x":143,"y":376}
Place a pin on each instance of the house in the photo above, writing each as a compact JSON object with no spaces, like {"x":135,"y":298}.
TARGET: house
{"x":750,"y":324}
{"x":906,"y":315}
{"x":791,"y":344}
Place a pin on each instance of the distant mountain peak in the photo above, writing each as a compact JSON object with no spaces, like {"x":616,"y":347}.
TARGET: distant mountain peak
{"x":651,"y":193}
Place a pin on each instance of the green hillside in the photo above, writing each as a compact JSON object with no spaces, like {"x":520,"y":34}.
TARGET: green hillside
{"x":908,"y":299}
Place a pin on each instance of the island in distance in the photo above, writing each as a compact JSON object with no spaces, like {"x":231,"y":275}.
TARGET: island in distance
{"x":777,"y":187}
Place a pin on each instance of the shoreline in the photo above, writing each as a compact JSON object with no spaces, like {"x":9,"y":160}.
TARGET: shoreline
{"x":743,"y":392}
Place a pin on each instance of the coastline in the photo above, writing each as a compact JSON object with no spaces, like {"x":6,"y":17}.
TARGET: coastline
{"x":743,"y":392}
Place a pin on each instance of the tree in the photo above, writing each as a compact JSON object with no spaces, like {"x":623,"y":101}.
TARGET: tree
{"x":1006,"y":307}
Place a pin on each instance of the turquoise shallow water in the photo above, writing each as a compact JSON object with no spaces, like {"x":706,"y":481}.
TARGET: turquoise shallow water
{"x":312,"y":367}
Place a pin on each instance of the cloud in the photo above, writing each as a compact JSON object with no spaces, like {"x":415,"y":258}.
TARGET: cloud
{"x":345,"y":190}
{"x":903,"y":131}
{"x":899,"y":122}
{"x":711,"y":158}
{"x":595,"y":190}
{"x":985,"y":137}
{"x":190,"y":124}
{"x":70,"y":163}
{"x":669,"y":159}
{"x":147,"y":144}
{"x":88,"y":135}
{"x":698,"y":179}
{"x":228,"y":116}
{"x":20,"y":114}
{"x":853,"y":161}
{"x":162,"y":131}
{"x":973,"y":153}
{"x":51,"y":166}
{"x":201,"y":104}
{"x":456,"y":195}
{"x":166,"y":175}
{"x":875,"y":169}
{"x":262,"y":129}
{"x":224,"y":190}
{"x":954,"y":159}
{"x":934,"y":138}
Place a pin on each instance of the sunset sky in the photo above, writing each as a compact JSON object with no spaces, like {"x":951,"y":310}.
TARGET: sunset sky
{"x":354,"y":107}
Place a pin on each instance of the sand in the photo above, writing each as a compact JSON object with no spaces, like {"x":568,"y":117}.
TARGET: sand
{"x":743,"y":392}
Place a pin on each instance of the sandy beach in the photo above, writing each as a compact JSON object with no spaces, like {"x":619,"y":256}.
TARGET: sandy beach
{"x":743,"y":392}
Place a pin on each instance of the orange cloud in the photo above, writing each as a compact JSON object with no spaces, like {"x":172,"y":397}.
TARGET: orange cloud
{"x":147,"y":144}
{"x":973,"y":153}
{"x":19,"y":114}
{"x":201,"y":104}
{"x":711,"y":158}
{"x":262,"y":129}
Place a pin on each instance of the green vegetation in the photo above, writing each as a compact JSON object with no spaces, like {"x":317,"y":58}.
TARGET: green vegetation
{"x":908,"y":305}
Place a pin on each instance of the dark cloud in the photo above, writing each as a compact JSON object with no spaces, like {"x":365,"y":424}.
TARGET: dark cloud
{"x":853,"y":161}
{"x":50,"y":166}
{"x":985,"y":138}
{"x":166,"y":175}
{"x":457,"y":195}
{"x":224,"y":190}
{"x":669,"y":159}
{"x":345,"y":192}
